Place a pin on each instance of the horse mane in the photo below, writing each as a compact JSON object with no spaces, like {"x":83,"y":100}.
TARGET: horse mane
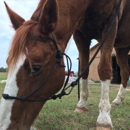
{"x":18,"y":46}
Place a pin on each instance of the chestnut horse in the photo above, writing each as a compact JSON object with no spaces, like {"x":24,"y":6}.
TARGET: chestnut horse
{"x":32,"y":56}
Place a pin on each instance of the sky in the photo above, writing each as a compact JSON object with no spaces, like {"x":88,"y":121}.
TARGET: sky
{"x":25,"y":8}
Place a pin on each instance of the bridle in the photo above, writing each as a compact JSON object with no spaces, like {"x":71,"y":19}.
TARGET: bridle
{"x":59,"y":56}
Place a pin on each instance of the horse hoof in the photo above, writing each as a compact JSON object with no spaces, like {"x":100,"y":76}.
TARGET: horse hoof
{"x":80,"y":110}
{"x":103,"y":128}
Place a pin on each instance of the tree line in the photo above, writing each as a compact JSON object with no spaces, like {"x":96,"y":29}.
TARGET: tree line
{"x":2,"y":69}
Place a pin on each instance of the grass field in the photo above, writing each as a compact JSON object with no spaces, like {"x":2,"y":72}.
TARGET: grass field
{"x":60,"y":115}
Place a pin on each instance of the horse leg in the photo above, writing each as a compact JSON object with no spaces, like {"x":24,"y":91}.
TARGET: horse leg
{"x":122,"y":60}
{"x":83,"y":47}
{"x":32,"y":128}
{"x":104,"y":70}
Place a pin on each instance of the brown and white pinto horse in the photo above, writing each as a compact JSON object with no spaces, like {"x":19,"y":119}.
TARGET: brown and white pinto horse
{"x":30,"y":60}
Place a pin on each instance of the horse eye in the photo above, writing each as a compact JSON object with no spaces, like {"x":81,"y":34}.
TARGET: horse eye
{"x":35,"y":69}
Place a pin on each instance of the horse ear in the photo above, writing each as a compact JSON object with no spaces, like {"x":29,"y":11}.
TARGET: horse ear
{"x":16,"y":20}
{"x":49,"y":16}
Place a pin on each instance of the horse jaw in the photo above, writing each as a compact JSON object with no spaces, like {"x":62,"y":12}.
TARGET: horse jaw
{"x":11,"y":88}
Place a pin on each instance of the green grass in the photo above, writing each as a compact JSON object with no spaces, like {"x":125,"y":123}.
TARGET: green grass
{"x":3,"y":76}
{"x":59,"y":114}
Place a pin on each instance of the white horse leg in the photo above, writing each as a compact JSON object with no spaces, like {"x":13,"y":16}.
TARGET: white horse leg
{"x":32,"y":128}
{"x":82,"y":104}
{"x":104,"y":120}
{"x":120,"y":96}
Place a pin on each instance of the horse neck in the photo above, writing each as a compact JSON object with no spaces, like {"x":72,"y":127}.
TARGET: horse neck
{"x":70,"y":17}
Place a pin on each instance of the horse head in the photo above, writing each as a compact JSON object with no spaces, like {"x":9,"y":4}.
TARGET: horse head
{"x":32,"y":62}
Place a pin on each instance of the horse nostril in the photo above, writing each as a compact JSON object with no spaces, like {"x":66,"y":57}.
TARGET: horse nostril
{"x":36,"y":68}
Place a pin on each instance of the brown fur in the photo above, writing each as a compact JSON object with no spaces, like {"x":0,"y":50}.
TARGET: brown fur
{"x":86,"y":20}
{"x":18,"y":21}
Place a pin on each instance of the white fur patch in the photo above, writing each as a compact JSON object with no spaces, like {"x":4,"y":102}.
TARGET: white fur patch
{"x":32,"y":128}
{"x":83,"y":94}
{"x":120,"y":96}
{"x":104,"y":106}
{"x":11,"y":89}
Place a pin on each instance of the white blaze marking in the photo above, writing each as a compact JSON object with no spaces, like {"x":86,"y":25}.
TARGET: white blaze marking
{"x":83,"y":94}
{"x":104,"y":105}
{"x":11,"y":89}
{"x":120,"y":96}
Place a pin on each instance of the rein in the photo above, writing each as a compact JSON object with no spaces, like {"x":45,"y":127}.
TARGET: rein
{"x":59,"y":55}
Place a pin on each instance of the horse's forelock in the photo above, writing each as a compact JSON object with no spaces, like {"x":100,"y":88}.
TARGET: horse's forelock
{"x":18,"y":46}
